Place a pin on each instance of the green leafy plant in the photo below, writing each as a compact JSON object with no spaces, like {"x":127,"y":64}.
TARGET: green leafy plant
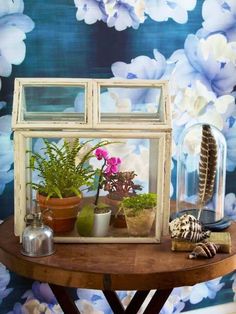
{"x":63,"y":170}
{"x":121,"y":184}
{"x":139,"y":202}
{"x":85,"y":220}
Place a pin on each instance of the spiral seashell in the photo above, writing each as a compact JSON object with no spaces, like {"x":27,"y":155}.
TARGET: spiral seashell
{"x":187,"y":227}
{"x":204,"y":250}
{"x":194,"y":236}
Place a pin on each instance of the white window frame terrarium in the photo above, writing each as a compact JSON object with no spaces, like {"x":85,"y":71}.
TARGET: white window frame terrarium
{"x":93,"y":127}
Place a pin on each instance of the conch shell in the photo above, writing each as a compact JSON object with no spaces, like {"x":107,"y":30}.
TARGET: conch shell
{"x":204,"y":250}
{"x":187,"y":227}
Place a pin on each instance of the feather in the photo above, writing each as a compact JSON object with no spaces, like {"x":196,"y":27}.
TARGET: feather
{"x":207,"y":166}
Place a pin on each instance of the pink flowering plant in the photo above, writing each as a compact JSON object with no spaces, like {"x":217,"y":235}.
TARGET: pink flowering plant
{"x":109,"y":167}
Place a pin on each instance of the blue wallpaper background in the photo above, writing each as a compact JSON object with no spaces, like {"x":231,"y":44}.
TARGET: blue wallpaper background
{"x":59,"y":45}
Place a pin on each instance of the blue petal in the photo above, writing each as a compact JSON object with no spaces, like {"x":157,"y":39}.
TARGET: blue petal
{"x":6,"y":161}
{"x":171,"y":4}
{"x":231,"y":121}
{"x":2,"y":187}
{"x":96,"y":297}
{"x":2,"y":104}
{"x":191,"y":47}
{"x":225,"y":6}
{"x":6,"y":177}
{"x":5,"y":124}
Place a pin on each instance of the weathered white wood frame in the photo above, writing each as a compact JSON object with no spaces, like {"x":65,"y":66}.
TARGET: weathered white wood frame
{"x":18,"y":121}
{"x":163,"y":123}
{"x":92,"y":105}
{"x":93,"y":127}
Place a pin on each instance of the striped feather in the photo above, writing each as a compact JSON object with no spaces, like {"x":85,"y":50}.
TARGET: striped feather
{"x":207,"y":166}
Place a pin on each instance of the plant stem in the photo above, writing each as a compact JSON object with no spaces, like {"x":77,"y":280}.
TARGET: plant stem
{"x":99,"y":183}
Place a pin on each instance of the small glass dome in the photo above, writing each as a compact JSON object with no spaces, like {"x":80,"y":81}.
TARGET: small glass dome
{"x":201,"y":167}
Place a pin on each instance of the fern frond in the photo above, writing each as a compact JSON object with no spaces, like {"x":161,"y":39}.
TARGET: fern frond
{"x":61,"y":177}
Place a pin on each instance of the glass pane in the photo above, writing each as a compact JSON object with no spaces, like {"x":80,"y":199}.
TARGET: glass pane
{"x":124,"y":168}
{"x":124,"y":104}
{"x":48,"y":103}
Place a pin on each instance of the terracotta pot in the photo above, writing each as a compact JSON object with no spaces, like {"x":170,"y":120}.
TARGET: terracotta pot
{"x":117,"y":220}
{"x":59,"y":213}
{"x":111,"y":201}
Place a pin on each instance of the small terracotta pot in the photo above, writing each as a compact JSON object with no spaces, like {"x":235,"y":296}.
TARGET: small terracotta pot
{"x":117,"y":220}
{"x":59,"y":213}
{"x":115,"y":203}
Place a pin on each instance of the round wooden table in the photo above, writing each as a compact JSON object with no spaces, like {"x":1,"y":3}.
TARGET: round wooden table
{"x":111,"y":267}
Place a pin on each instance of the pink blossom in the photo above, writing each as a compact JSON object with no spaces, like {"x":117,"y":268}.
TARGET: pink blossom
{"x":101,"y":153}
{"x":112,"y":165}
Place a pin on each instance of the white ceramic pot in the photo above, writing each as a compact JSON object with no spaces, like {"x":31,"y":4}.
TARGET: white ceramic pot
{"x":101,"y":224}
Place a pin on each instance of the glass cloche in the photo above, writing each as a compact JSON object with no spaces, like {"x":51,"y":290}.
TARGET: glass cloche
{"x":201,"y":168}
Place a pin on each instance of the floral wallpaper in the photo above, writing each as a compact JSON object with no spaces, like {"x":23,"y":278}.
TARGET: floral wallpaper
{"x":190,"y":43}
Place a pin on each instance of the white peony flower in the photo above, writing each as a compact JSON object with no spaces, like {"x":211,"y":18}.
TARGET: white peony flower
{"x":138,"y":162}
{"x":13,"y":26}
{"x":162,"y":10}
{"x":86,"y":307}
{"x":196,"y":104}
{"x":191,"y":102}
{"x":4,"y":282}
{"x":216,"y":46}
{"x":6,"y":155}
{"x":11,"y":7}
{"x":230,"y":205}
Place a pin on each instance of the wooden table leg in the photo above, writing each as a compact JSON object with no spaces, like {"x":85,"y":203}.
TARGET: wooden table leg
{"x":117,"y":306}
{"x":136,"y":301}
{"x":114,"y":301}
{"x":64,"y":299}
{"x":158,"y":300}
{"x":154,"y":306}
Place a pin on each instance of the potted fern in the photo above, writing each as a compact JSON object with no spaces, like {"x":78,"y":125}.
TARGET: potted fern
{"x":140,"y":212}
{"x":62,"y":172}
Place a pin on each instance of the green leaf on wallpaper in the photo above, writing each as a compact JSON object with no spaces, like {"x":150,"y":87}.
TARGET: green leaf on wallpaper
{"x":85,"y":219}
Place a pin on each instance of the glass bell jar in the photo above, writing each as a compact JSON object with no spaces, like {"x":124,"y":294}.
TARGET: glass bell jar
{"x":201,"y":168}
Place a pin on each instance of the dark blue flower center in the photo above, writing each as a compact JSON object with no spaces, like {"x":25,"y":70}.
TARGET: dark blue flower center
{"x":225,"y":6}
{"x":131,"y":76}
